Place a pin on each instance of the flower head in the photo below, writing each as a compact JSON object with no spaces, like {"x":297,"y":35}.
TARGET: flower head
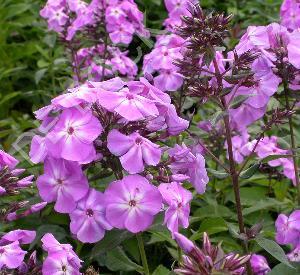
{"x":88,"y":220}
{"x":177,"y":198}
{"x":134,"y":150}
{"x":63,"y":182}
{"x":132,"y":203}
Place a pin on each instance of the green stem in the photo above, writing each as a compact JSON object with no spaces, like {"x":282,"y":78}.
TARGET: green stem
{"x":293,"y":140}
{"x":143,"y":253}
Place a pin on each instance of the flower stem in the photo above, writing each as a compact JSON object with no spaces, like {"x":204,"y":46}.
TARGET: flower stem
{"x":143,"y":253}
{"x":293,"y":141}
{"x":232,"y":167}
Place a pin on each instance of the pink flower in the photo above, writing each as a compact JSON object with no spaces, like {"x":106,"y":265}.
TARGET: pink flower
{"x":130,"y":106}
{"x":290,"y":14}
{"x":287,"y":228}
{"x":11,"y":255}
{"x":60,"y":263}
{"x":293,"y":49}
{"x":63,"y":182}
{"x":185,"y":162}
{"x":73,"y":136}
{"x":88,"y":220}
{"x":168,"y":80}
{"x":132,"y":203}
{"x":259,"y":264}
{"x":177,"y":198}
{"x":7,"y":160}
{"x":240,"y":148}
{"x":23,"y":236}
{"x":38,"y":149}
{"x":120,"y":32}
{"x":134,"y":150}
{"x":294,"y":256}
{"x":185,"y":244}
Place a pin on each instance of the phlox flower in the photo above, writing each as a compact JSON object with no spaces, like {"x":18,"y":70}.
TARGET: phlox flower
{"x":177,"y":198}
{"x":61,"y":258}
{"x":294,"y":255}
{"x":287,"y":228}
{"x":73,"y":135}
{"x":290,"y":14}
{"x":88,"y":220}
{"x":185,"y":162}
{"x":130,"y":106}
{"x":134,"y":150}
{"x":11,"y":255}
{"x":7,"y":160}
{"x":259,"y":265}
{"x":132,"y":203}
{"x":63,"y":182}
{"x":22,"y":236}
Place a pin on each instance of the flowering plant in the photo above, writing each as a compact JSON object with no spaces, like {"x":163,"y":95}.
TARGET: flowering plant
{"x":192,"y":137}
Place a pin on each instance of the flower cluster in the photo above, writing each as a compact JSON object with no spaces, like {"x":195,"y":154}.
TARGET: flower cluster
{"x":100,"y":64}
{"x":160,"y":60}
{"x":67,"y":17}
{"x":209,"y":259}
{"x":287,"y":232}
{"x":119,"y":125}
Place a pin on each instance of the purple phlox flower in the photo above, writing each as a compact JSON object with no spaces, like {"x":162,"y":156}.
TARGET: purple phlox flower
{"x":287,"y":228}
{"x":127,"y":104}
{"x":290,"y":14}
{"x":185,"y":244}
{"x":177,"y":198}
{"x":293,"y":49}
{"x":240,"y":147}
{"x":73,"y":136}
{"x":268,"y":147}
{"x":145,"y":89}
{"x":185,"y":162}
{"x":88,"y":220}
{"x":259,"y":265}
{"x":169,"y":120}
{"x":132,"y":203}
{"x":61,"y":257}
{"x":63,"y":182}
{"x":134,"y":150}
{"x":22,"y":236}
{"x":7,"y":160}
{"x":11,"y":255}
{"x":294,"y":255}
{"x":38,"y":149}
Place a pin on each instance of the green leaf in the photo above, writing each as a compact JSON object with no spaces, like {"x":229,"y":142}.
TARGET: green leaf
{"x":274,"y":249}
{"x":273,"y":157}
{"x":216,"y":117}
{"x":218,"y":174}
{"x":116,"y":260}
{"x":248,"y":173}
{"x":111,"y":240}
{"x":261,"y":205}
{"x":161,"y":270}
{"x":238,"y":101}
{"x":210,"y":226}
{"x":8,"y":97}
{"x":283,"y":269}
{"x":39,"y":75}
